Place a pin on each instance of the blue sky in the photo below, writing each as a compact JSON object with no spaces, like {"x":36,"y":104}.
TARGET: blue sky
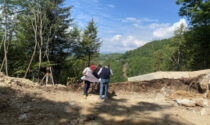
{"x":128,"y":24}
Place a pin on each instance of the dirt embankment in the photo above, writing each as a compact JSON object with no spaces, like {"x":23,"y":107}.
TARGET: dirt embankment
{"x":23,"y":102}
{"x":155,"y":86}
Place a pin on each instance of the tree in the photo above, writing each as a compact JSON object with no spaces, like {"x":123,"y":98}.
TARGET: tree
{"x":48,"y":21}
{"x":60,"y":45}
{"x":197,"y":11}
{"x":8,"y":9}
{"x":76,"y":43}
{"x":39,"y":34}
{"x":178,"y":41}
{"x":197,"y":45}
{"x":90,"y":42}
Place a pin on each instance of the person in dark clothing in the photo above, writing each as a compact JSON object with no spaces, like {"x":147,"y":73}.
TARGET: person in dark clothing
{"x":95,"y":73}
{"x":104,"y":74}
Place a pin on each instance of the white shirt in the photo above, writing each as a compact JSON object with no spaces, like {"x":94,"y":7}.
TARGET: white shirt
{"x":89,"y":76}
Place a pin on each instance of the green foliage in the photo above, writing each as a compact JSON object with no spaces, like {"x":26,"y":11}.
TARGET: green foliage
{"x":70,"y":51}
{"x":48,"y":22}
{"x":116,"y":64}
{"x":197,"y":11}
{"x":177,"y":57}
{"x":196,"y":48}
{"x":89,"y":46}
{"x":153,"y":56}
{"x":187,"y":50}
{"x":19,"y":73}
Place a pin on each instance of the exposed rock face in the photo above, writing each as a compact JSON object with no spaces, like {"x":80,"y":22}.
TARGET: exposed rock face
{"x":168,"y":75}
{"x":205,"y":83}
{"x":205,"y":80}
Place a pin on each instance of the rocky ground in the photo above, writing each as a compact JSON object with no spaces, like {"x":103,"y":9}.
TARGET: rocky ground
{"x":163,"y":102}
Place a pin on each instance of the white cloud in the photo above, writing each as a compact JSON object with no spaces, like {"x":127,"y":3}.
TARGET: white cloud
{"x":131,"y":19}
{"x":119,"y":43}
{"x":156,"y":25}
{"x":167,"y":30}
{"x":135,"y":20}
{"x":116,"y":37}
{"x":132,"y":42}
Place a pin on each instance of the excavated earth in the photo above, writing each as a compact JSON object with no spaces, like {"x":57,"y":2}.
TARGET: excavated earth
{"x":154,"y":102}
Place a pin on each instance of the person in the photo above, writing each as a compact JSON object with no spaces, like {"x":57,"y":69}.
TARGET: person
{"x":88,"y":77}
{"x":48,"y":75}
{"x":104,"y":74}
{"x":95,"y":73}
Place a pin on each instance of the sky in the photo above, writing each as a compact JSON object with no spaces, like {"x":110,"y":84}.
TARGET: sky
{"x":125,"y":25}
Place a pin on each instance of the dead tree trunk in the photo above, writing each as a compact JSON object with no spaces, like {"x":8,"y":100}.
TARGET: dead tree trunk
{"x":35,"y":27}
{"x":42,"y":21}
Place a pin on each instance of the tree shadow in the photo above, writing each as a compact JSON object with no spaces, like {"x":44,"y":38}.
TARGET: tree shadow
{"x":29,"y":109}
{"x":114,"y":112}
{"x":164,"y":120}
{"x":19,"y":108}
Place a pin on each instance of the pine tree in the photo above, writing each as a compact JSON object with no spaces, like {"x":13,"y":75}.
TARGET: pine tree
{"x":178,"y":41}
{"x":90,"y":43}
{"x":60,"y":44}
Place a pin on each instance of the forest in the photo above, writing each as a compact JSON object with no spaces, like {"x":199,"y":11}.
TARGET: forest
{"x":35,"y":34}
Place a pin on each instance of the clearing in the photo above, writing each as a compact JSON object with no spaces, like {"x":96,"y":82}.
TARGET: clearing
{"x":23,"y":102}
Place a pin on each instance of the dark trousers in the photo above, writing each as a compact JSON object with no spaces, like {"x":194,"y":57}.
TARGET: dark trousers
{"x":94,"y":85}
{"x":87,"y":86}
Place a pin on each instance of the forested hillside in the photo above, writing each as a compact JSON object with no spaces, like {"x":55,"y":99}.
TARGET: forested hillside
{"x":151,"y":57}
{"x":188,"y":49}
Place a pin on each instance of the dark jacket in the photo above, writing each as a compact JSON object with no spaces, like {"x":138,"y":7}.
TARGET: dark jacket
{"x":105,"y":73}
{"x":95,"y":73}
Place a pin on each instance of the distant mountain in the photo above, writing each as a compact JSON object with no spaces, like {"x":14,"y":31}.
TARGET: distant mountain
{"x":153,"y":56}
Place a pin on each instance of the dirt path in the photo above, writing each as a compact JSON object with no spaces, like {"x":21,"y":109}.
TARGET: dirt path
{"x":125,"y":66}
{"x":41,"y":105}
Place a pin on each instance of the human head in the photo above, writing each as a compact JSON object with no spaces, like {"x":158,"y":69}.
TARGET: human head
{"x":92,"y":67}
{"x":108,"y":65}
{"x":99,"y":65}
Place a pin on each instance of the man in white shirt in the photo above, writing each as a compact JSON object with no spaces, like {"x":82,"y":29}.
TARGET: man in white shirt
{"x":88,"y":77}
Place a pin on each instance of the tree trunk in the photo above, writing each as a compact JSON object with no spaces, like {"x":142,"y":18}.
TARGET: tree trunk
{"x":1,"y":44}
{"x":2,"y":65}
{"x":89,"y":59}
{"x":42,"y":19}
{"x":34,"y":24}
{"x":32,"y":57}
{"x":5,"y":38}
